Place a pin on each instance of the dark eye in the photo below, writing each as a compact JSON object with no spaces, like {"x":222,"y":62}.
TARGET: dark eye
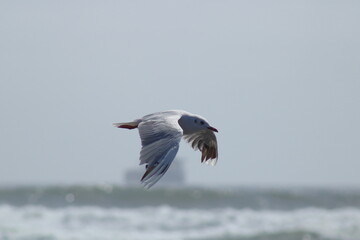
{"x":202,"y":122}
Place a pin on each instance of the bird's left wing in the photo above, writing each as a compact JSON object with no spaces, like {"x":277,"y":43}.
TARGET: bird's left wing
{"x":160,"y":140}
{"x":205,"y":141}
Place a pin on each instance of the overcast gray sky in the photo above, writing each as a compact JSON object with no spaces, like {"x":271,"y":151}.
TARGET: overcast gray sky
{"x":279,"y":79}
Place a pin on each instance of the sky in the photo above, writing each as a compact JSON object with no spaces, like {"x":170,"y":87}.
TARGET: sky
{"x":280,"y":80}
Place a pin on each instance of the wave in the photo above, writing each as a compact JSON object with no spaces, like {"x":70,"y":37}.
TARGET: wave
{"x":165,"y":222}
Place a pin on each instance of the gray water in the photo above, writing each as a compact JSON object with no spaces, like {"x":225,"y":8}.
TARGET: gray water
{"x":113,"y":212}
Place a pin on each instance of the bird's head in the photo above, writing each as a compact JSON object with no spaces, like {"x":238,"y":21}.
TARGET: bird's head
{"x":192,"y":123}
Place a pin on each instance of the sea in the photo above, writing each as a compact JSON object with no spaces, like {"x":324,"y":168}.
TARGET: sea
{"x":110,"y":212}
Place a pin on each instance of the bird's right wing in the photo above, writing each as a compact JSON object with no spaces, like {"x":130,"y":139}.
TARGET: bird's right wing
{"x":205,"y":141}
{"x":160,"y":142}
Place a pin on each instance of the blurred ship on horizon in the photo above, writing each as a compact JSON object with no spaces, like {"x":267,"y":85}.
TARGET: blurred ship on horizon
{"x":174,"y":177}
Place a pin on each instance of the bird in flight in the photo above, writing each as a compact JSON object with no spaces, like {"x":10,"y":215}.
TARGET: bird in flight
{"x":160,"y":135}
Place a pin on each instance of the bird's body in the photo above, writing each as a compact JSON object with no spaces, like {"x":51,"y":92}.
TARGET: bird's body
{"x":160,"y":135}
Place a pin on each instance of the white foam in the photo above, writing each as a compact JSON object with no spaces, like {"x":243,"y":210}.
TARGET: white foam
{"x":157,"y":223}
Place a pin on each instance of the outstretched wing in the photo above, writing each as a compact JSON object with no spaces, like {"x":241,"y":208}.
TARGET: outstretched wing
{"x":160,"y":140}
{"x":205,"y":141}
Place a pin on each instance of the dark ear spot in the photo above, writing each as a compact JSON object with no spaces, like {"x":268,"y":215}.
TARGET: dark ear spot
{"x":195,"y":121}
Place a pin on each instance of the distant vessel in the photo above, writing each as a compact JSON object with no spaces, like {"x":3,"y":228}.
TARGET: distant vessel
{"x":175,"y":176}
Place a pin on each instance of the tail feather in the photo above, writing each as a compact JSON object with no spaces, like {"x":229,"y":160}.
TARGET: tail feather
{"x":128,"y":125}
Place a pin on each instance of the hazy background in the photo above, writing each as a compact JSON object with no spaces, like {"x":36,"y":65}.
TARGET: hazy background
{"x":279,"y":79}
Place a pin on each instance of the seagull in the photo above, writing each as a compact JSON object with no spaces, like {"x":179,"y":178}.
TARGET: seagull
{"x":160,"y":135}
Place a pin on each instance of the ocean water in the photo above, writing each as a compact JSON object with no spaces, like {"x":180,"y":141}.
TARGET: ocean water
{"x":117,"y":213}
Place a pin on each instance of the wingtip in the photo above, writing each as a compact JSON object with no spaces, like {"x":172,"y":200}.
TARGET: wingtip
{"x":148,"y":171}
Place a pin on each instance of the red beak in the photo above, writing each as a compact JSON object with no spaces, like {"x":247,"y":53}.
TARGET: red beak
{"x":213,"y":129}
